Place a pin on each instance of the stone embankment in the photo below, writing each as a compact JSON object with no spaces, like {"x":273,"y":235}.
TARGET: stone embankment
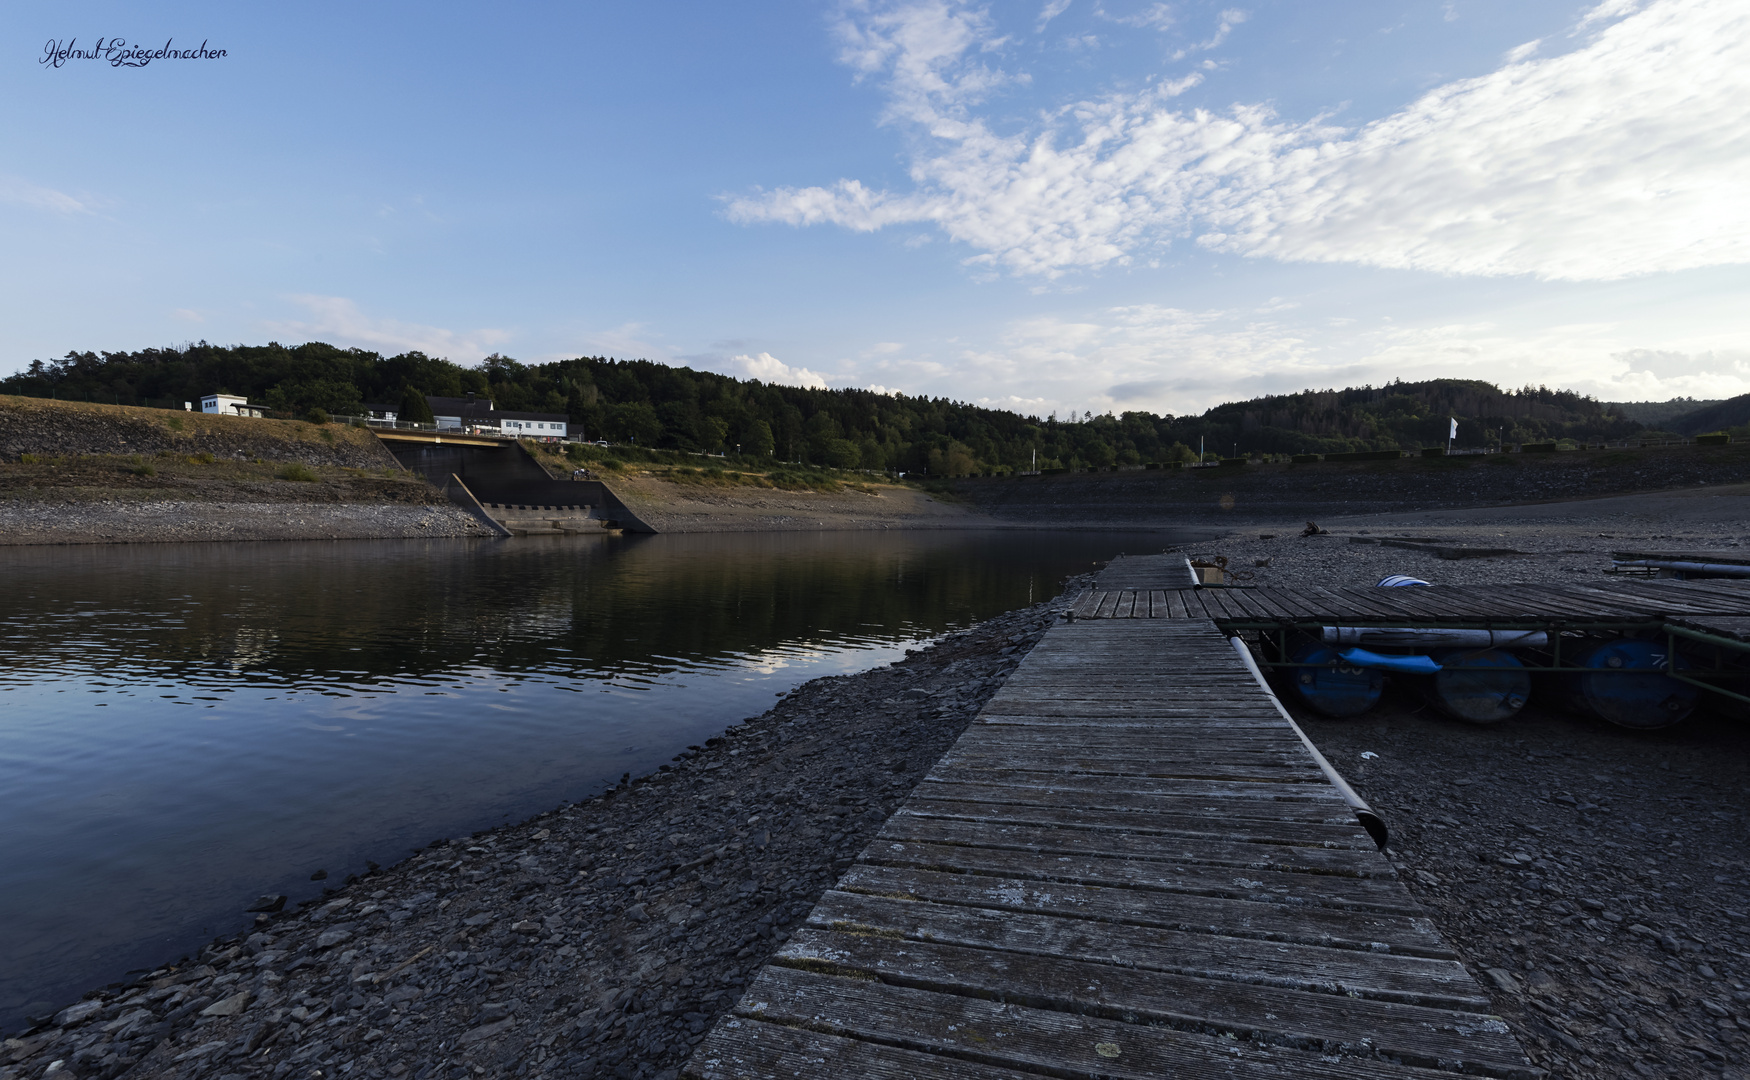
{"x":598,"y":940}
{"x":1138,"y":498}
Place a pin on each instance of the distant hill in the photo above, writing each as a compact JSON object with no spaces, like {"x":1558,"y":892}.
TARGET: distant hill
{"x":1659,"y":414}
{"x":1713,"y":416}
{"x":654,"y":405}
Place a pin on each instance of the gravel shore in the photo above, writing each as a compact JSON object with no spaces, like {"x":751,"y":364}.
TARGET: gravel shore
{"x":600,"y":939}
{"x":156,"y":521}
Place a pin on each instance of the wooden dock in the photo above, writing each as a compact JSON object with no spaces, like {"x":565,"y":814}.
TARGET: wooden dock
{"x":1153,"y":588}
{"x":1128,"y":866}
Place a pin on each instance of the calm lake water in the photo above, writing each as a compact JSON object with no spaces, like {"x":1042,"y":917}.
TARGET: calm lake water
{"x":186,"y":727}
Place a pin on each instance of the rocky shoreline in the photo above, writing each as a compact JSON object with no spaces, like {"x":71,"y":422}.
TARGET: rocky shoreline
{"x":171,"y":520}
{"x":599,"y":939}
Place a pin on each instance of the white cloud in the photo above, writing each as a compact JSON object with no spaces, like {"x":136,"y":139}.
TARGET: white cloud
{"x":767,"y":368}
{"x":339,"y":321}
{"x":1224,"y":26}
{"x":22,"y":193}
{"x":1523,"y":52}
{"x":1609,"y":9}
{"x":1628,"y":155}
{"x":1050,"y":11}
{"x":1152,"y":17}
{"x":1164,"y":359}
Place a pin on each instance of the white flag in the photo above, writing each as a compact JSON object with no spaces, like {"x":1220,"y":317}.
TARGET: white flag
{"x":1454,"y":434}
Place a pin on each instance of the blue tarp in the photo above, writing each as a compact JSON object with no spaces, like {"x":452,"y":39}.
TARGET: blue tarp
{"x":1411,"y":665}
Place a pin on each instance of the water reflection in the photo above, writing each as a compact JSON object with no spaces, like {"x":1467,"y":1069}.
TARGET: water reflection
{"x":187,"y":726}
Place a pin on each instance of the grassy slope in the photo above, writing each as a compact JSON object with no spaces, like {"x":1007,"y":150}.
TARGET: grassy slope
{"x":76,"y":451}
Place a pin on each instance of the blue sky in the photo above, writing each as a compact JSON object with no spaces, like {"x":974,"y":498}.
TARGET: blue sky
{"x":1043,"y":206}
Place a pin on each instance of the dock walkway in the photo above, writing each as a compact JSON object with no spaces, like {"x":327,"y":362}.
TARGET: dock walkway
{"x":1158,"y":592}
{"x":1128,"y":866}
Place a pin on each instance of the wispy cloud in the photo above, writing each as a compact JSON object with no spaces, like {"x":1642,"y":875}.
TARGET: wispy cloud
{"x":339,"y":321}
{"x":1224,"y":25}
{"x":1152,"y":17}
{"x":1050,"y":11}
{"x":1628,"y":155}
{"x":17,"y":192}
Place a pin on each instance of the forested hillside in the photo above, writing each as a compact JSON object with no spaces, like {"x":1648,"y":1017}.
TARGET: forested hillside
{"x":655,"y":405}
{"x":1729,"y":415}
{"x":1660,"y":414}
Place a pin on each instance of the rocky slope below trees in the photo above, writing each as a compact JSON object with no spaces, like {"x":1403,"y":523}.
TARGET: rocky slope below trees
{"x":1137,"y":498}
{"x":73,"y":428}
{"x":75,"y":473}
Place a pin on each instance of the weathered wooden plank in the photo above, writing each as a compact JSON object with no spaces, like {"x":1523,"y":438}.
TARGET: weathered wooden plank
{"x":1318,"y":833}
{"x":1192,"y":716}
{"x":741,"y":1048}
{"x":1416,"y":1034}
{"x":1147,"y":758}
{"x":1116,"y":718}
{"x":1218,"y":791}
{"x":1033,"y":769}
{"x":1230,"y":813}
{"x":1274,"y":886}
{"x":1164,"y":740}
{"x":1247,"y":602}
{"x":1382,"y":976}
{"x":1176,"y":605}
{"x":1036,"y":1040}
{"x":1178,"y":849}
{"x":1347,"y":928}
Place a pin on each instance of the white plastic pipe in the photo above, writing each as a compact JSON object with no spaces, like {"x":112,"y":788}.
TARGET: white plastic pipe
{"x":1437,"y":638}
{"x":1722,"y":569}
{"x":1370,"y":821}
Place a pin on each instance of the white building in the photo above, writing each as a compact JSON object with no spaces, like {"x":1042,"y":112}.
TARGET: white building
{"x":527,"y":425}
{"x":480,"y":415}
{"x":229,"y":405}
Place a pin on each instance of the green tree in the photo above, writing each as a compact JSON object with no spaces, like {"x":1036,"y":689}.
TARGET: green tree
{"x":414,"y":408}
{"x":842,"y":454}
{"x":759,"y":441}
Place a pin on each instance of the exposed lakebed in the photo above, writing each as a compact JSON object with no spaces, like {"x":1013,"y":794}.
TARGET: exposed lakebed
{"x":188,"y":726}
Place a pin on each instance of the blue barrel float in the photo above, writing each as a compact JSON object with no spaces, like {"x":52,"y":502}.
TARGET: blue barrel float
{"x":1494,"y":688}
{"x":1334,"y":687}
{"x":1644,"y":700}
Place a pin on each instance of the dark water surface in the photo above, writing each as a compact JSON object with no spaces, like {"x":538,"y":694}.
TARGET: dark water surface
{"x":184,"y":727}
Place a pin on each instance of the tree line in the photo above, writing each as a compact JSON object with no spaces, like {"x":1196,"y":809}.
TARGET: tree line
{"x":661,"y":407}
